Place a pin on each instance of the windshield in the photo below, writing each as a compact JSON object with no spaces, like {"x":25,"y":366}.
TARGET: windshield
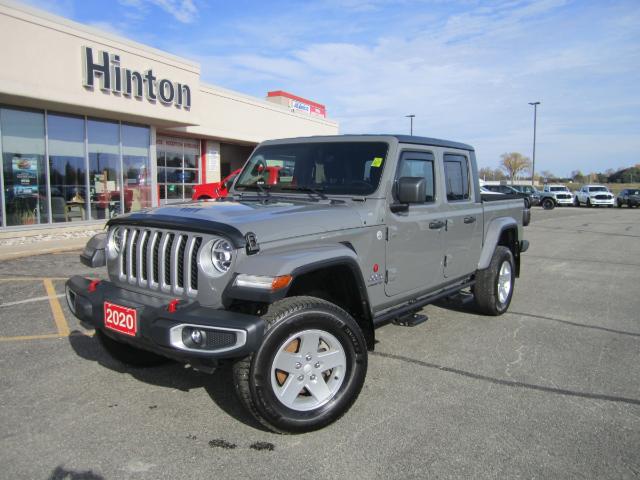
{"x":634,"y":192}
{"x":598,"y":189}
{"x":343,"y":168}
{"x":558,"y":189}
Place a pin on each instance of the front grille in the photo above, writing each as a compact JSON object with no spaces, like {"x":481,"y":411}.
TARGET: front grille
{"x":160,"y":260}
{"x":563,"y":196}
{"x":603,"y":197}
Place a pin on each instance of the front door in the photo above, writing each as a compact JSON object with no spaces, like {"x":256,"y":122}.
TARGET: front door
{"x":414,"y":246}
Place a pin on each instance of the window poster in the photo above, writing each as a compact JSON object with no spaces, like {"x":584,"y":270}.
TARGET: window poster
{"x":25,"y":176}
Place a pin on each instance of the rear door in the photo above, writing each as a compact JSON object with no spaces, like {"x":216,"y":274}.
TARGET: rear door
{"x":414,"y":246}
{"x":463,"y":214}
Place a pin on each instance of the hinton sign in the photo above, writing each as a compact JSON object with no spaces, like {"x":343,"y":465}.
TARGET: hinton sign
{"x":129,"y":83}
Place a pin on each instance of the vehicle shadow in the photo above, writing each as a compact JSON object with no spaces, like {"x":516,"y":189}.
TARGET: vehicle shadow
{"x":60,"y":473}
{"x":173,"y":375}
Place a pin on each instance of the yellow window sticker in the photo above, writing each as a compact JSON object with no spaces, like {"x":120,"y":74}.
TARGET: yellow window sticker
{"x":377,"y":162}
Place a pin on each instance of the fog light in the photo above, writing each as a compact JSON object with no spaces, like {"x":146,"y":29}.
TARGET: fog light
{"x":196,"y":337}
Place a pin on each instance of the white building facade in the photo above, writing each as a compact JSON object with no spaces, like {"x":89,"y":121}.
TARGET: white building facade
{"x":93,"y":125}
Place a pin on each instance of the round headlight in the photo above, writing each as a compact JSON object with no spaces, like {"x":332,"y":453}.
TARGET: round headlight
{"x":221,"y":255}
{"x":116,"y":239}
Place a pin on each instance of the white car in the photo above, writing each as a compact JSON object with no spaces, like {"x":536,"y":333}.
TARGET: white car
{"x":555,"y":194}
{"x":593,"y":195}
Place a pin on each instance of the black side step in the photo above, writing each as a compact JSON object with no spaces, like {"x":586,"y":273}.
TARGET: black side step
{"x":415,"y":305}
{"x":460,"y":298}
{"x":411,"y":320}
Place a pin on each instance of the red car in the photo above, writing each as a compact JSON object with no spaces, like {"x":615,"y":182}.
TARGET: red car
{"x":206,"y":191}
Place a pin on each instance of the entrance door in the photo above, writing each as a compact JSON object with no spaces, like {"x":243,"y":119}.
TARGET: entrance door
{"x":414,"y":246}
{"x":178,"y":168}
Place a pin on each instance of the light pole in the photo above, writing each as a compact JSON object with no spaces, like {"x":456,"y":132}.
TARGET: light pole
{"x":535,"y":117}
{"x":411,"y":117}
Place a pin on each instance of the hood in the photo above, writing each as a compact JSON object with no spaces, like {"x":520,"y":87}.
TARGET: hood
{"x":273,"y":220}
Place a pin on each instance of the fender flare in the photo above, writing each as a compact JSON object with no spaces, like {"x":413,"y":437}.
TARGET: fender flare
{"x":296,"y":263}
{"x":494,"y":230}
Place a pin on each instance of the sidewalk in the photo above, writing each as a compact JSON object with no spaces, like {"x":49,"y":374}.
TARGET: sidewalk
{"x":26,"y":243}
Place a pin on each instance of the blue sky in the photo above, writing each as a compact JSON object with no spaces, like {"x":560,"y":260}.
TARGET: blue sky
{"x":466,"y":69}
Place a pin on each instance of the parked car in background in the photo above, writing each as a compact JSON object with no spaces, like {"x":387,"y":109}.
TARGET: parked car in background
{"x":207,"y":191}
{"x":555,"y":194}
{"x":534,"y":195}
{"x":594,"y":195}
{"x":629,"y":197}
{"x":507,"y":190}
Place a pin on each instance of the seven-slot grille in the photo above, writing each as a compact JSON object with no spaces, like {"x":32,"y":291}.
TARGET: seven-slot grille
{"x":159,"y":259}
{"x":603,"y":197}
{"x":563,"y":195}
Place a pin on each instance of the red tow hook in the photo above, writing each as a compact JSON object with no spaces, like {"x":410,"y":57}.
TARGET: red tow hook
{"x":93,"y":285}
{"x":173,"y":305}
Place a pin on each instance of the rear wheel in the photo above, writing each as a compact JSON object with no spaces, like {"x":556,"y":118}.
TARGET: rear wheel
{"x":494,"y":285}
{"x":589,"y":203}
{"x":619,"y":202}
{"x":309,"y":369}
{"x":127,"y":354}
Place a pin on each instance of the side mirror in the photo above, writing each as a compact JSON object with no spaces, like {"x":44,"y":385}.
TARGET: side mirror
{"x":412,"y":190}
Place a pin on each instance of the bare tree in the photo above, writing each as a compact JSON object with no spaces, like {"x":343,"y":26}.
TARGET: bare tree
{"x":486,"y":173}
{"x":513,"y":163}
{"x":547,"y":175}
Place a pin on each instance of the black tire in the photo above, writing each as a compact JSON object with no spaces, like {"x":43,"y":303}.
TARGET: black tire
{"x":527,"y":203}
{"x":284,"y":320}
{"x":128,"y":355}
{"x":619,"y":202}
{"x":548,"y":204}
{"x":576,"y":202}
{"x":486,"y":287}
{"x":589,"y":203}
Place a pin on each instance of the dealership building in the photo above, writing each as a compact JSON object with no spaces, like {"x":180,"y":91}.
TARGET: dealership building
{"x":93,"y":125}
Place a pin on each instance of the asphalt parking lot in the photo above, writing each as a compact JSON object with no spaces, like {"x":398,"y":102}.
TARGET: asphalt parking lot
{"x":549,"y":390}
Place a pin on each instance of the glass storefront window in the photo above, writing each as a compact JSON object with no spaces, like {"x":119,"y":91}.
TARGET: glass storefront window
{"x":137,"y":174}
{"x":67,"y":168}
{"x":105,"y":174}
{"x":45,"y":177}
{"x":24,"y":167}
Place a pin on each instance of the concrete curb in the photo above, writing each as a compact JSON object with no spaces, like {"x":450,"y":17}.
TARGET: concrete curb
{"x":42,"y":248}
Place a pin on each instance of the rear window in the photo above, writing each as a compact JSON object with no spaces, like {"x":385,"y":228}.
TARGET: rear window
{"x":456,"y":171}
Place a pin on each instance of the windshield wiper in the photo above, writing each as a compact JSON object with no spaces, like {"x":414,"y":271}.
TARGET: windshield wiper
{"x":304,"y":188}
{"x":263,"y":191}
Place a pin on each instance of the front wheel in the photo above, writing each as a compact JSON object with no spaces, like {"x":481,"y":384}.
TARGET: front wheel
{"x":548,"y":204}
{"x":576,"y":202}
{"x":619,"y":202}
{"x":589,"y":203}
{"x":309,"y":369}
{"x":494,"y":285}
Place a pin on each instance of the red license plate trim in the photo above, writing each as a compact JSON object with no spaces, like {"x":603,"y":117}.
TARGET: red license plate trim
{"x":125,"y":324}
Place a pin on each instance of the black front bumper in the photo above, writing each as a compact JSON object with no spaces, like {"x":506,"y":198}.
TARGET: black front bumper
{"x":236,"y":334}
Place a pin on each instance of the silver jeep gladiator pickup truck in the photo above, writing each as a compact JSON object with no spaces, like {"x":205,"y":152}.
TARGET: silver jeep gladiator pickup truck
{"x":288,"y":281}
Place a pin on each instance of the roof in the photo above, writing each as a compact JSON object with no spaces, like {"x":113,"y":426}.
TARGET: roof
{"x":436,"y":142}
{"x":411,"y":139}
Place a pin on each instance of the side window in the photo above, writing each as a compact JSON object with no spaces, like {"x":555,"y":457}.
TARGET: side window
{"x":456,"y":175}
{"x":419,"y":164}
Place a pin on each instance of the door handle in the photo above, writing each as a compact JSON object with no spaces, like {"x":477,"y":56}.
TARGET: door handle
{"x":436,"y":225}
{"x":469,"y":219}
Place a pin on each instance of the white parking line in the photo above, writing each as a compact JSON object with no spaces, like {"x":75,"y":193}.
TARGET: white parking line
{"x":29,"y":300}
